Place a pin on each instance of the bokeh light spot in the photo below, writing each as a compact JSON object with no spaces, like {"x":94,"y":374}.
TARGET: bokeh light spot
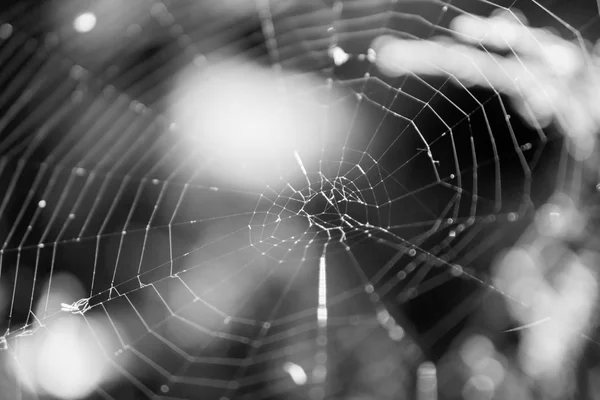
{"x":85,"y":22}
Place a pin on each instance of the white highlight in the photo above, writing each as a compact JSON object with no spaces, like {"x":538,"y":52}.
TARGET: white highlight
{"x":475,"y":349}
{"x":562,"y":58}
{"x":85,"y":22}
{"x":79,"y":307}
{"x":528,"y":326}
{"x":247,"y":120}
{"x":296,"y":372}
{"x":340,"y":57}
{"x":65,"y":361}
{"x":69,"y":366}
{"x":299,"y":161}
{"x":371,"y":55}
{"x":322,"y":309}
{"x":427,"y":381}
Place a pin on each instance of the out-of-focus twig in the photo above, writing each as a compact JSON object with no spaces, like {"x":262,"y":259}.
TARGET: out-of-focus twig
{"x":548,"y":78}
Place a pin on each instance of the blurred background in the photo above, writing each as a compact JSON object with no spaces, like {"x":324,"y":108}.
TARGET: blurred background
{"x":343,"y":199}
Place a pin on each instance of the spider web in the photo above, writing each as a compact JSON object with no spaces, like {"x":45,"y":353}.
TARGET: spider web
{"x":207,"y":288}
